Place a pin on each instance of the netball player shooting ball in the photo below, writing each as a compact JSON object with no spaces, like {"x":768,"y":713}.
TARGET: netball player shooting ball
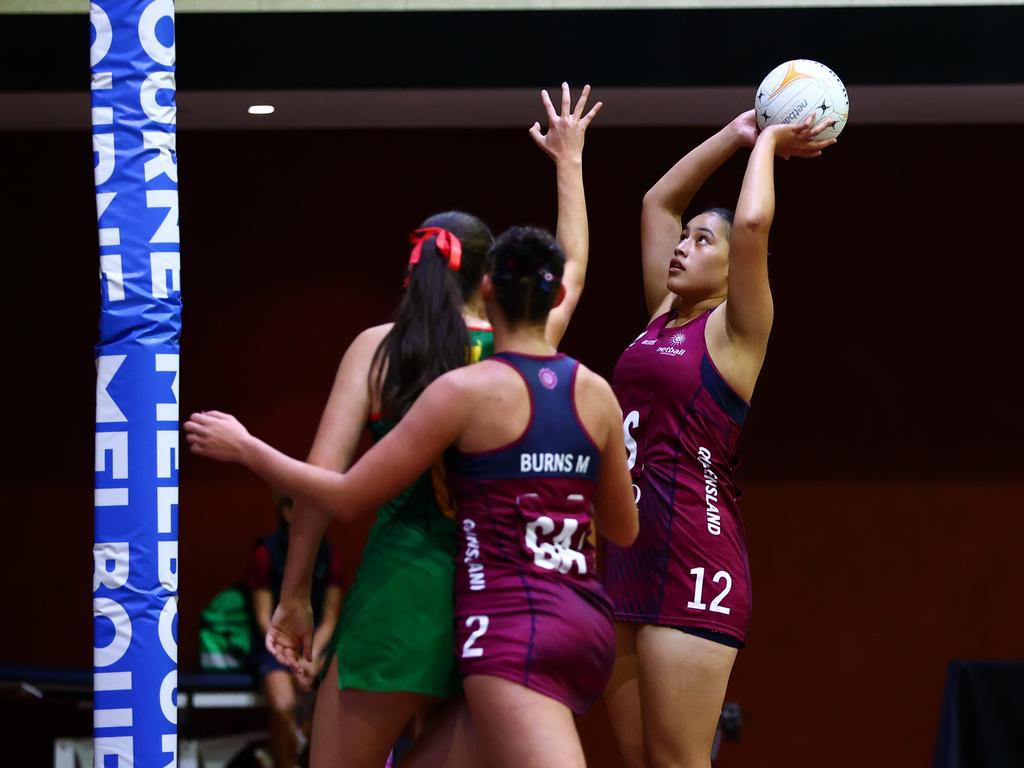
{"x":534,"y":447}
{"x":682,"y":591}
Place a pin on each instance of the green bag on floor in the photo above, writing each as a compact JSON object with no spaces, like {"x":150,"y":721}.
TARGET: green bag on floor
{"x":226,"y":632}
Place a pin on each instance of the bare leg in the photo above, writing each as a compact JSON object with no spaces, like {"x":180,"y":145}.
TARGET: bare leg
{"x":520,"y":728}
{"x":357,"y":729}
{"x":682,"y":686}
{"x":449,"y":740}
{"x":280,"y":694}
{"x":622,"y":697}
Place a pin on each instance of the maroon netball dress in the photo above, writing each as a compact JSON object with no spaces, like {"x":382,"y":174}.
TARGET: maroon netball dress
{"x":528,"y":605}
{"x":688,"y":567}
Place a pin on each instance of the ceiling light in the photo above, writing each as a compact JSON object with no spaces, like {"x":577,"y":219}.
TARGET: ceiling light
{"x":261,"y":109}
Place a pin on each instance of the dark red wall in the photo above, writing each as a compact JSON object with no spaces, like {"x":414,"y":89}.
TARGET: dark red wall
{"x":881,"y":458}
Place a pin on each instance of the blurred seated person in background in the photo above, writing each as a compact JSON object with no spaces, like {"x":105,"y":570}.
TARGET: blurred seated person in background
{"x":277,"y":683}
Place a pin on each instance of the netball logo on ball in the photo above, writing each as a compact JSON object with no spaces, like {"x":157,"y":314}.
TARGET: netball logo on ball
{"x":548,"y":378}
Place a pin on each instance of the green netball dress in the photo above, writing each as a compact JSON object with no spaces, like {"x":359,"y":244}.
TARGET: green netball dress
{"x":395,"y":632}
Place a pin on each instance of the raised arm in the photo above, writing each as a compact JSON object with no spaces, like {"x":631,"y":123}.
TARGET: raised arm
{"x":563,"y":143}
{"x":740,"y":334}
{"x":665,"y":203}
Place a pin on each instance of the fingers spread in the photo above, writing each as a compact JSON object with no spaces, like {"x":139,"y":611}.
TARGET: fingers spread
{"x":536,"y":134}
{"x":585,"y":120}
{"x":582,"y":103}
{"x":548,"y":107}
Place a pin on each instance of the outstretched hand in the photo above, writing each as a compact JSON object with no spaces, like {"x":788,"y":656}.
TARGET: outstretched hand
{"x":290,"y":635}
{"x":564,"y":139}
{"x":216,"y":435}
{"x":799,"y":139}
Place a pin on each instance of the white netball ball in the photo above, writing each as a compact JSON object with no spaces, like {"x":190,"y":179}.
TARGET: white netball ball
{"x":798,"y":88}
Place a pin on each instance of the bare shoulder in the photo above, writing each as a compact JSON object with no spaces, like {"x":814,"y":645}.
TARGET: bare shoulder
{"x":588,"y":378}
{"x":452,"y":395}
{"x":458,"y":380}
{"x":480,"y":377}
{"x":373,"y":336}
{"x":594,"y":387}
{"x":349,"y":404}
{"x":364,"y":346}
{"x":489,"y":386}
{"x":597,"y":406}
{"x":462,"y":384}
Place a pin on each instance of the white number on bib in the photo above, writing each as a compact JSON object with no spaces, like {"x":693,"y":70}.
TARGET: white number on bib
{"x":470,"y":651}
{"x":558,"y":554}
{"x":631,"y":422}
{"x":698,"y":591}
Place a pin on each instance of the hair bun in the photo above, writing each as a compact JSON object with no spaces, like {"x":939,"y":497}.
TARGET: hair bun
{"x":528,"y":268}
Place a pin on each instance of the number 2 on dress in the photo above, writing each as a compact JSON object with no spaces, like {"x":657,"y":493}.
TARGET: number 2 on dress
{"x":469,"y":650}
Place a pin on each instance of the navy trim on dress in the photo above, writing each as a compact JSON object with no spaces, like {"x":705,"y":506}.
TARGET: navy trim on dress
{"x":733,"y":405}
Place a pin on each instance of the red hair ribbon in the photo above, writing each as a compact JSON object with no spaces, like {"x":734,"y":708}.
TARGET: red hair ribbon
{"x":447,"y":244}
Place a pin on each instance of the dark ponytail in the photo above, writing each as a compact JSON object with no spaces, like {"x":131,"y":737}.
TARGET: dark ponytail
{"x":528,"y":268}
{"x":429,"y":337}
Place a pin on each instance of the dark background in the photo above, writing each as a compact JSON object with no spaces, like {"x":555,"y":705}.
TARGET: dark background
{"x":881,"y":458}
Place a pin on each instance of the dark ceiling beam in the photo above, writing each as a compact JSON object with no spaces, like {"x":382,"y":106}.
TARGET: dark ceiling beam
{"x":512,"y":49}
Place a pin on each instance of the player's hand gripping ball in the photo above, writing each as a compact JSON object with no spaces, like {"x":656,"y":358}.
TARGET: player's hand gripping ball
{"x":798,"y":88}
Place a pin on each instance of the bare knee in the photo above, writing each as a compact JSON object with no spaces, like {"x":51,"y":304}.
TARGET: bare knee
{"x":280,"y":693}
